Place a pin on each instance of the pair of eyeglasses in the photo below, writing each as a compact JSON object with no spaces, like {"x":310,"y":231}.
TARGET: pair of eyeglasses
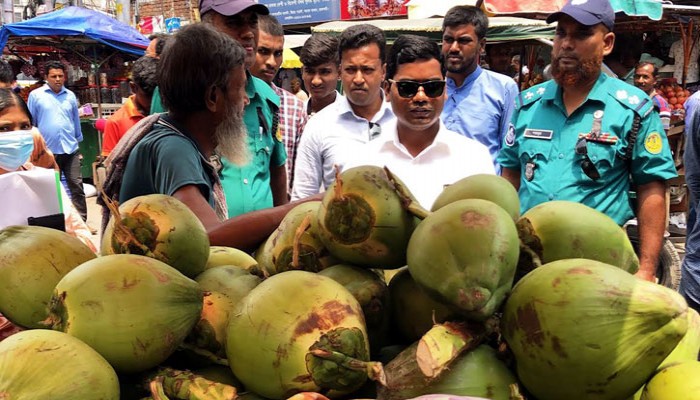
{"x":408,"y":89}
{"x":586,"y":164}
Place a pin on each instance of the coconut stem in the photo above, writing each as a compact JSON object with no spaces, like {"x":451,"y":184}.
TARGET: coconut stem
{"x":205,"y":354}
{"x":515,"y":392}
{"x":122,"y":232}
{"x":374,"y":370}
{"x":157,"y":390}
{"x":186,"y":385}
{"x":338,"y":191}
{"x":407,"y":201}
{"x":303,"y":226}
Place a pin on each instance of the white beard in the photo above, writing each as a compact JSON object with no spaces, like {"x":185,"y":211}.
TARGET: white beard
{"x":231,"y":137}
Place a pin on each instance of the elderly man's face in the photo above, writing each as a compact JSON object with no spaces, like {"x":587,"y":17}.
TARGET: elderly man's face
{"x":243,"y":27}
{"x":644,"y":78}
{"x":231,"y":135}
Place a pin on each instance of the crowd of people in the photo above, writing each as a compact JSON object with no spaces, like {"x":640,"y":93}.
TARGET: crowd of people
{"x":207,"y":124}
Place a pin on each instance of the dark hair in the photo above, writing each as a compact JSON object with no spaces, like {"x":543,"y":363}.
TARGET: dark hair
{"x":196,"y":58}
{"x":143,"y":73}
{"x":467,"y":15}
{"x":160,"y":44}
{"x":654,"y":69}
{"x":357,"y":36}
{"x":319,"y":49}
{"x":54,"y":65}
{"x":270,"y":25}
{"x":7,"y":75}
{"x":8,"y":98}
{"x":408,"y":49}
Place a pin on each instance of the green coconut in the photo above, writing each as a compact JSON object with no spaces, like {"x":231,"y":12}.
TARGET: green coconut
{"x":161,"y":227}
{"x":295,"y":244}
{"x":558,"y":230}
{"x":222,"y":255}
{"x":134,"y":310}
{"x":413,"y":312}
{"x":478,"y":372}
{"x":464,"y":255}
{"x":688,"y":349}
{"x":32,"y":261}
{"x":45,"y":364}
{"x":582,"y":329}
{"x":298,"y":331}
{"x":231,"y":281}
{"x":371,"y":292}
{"x":210,"y":331}
{"x":482,"y":186}
{"x":363,"y":219}
{"x":678,"y":381}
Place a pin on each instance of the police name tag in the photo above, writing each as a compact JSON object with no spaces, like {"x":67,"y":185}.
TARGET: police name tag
{"x":538,"y":134}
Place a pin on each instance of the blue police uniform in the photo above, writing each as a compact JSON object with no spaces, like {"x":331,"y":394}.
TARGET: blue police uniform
{"x":541,"y":144}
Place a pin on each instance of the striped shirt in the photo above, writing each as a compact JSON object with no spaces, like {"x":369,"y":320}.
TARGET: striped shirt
{"x":292,"y":120}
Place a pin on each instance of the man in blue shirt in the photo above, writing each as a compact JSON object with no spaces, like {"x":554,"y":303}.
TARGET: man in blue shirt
{"x":55,"y":112}
{"x":690,"y":270}
{"x":479,"y":102}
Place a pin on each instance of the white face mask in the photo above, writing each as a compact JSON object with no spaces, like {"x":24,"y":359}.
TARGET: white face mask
{"x":15,"y":149}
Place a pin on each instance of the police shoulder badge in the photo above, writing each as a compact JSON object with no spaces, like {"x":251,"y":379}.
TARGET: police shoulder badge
{"x":278,"y":135}
{"x":510,"y":136}
{"x":653,"y":143}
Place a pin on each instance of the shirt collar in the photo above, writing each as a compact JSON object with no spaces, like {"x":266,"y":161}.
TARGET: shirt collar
{"x":598,"y":92}
{"x":467,"y":81}
{"x":131,"y":109}
{"x":47,"y":88}
{"x":392,"y":140}
{"x":250,"y":85}
{"x":344,"y":107}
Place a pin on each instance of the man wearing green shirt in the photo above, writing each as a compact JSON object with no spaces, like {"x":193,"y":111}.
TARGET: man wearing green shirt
{"x":573,"y":138}
{"x":262,"y":183}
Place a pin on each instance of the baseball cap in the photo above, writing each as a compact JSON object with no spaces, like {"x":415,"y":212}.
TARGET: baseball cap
{"x":587,"y":12}
{"x":231,"y":7}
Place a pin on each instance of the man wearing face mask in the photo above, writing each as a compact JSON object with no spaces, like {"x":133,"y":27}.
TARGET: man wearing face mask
{"x":262,"y":183}
{"x":583,"y":135}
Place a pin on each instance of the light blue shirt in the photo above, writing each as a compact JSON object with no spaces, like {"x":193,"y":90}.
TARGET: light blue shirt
{"x":56,"y":116}
{"x":481,"y":108}
{"x":690,"y":271}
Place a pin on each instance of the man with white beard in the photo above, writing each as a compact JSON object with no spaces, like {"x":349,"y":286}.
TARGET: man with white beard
{"x":202,"y":81}
{"x":586,"y":137}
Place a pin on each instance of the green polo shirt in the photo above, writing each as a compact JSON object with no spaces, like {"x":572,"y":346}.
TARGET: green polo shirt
{"x":542,"y":138}
{"x":248,"y":188}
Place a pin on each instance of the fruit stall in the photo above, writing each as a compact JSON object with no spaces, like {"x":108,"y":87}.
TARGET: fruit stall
{"x":93,"y":46}
{"x":363,"y":295}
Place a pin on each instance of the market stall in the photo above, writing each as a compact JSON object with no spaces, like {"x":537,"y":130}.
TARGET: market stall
{"x":94,"y":47}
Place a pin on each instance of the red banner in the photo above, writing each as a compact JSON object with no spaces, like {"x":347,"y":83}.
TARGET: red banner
{"x":520,"y":6}
{"x":360,"y":9}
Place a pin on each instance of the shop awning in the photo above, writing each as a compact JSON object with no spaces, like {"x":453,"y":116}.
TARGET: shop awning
{"x":652,"y":9}
{"x":74,"y":25}
{"x":500,"y":28}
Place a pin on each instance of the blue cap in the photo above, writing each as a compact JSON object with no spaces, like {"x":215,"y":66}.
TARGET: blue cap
{"x":587,"y":12}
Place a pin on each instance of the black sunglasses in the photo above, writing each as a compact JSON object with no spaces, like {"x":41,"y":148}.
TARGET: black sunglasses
{"x":586,"y":164}
{"x":409,"y":89}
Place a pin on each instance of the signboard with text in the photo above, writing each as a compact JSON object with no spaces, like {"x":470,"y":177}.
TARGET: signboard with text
{"x":361,"y":9}
{"x":291,"y":12}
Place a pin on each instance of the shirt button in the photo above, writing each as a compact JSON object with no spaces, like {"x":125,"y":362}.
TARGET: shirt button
{"x":245,"y":181}
{"x":551,"y":196}
{"x":594,"y":158}
{"x":561,"y":155}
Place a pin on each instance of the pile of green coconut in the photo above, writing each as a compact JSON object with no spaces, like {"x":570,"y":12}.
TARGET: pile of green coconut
{"x":364,"y":295}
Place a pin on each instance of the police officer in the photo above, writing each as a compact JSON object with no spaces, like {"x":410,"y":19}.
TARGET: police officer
{"x":583,"y":135}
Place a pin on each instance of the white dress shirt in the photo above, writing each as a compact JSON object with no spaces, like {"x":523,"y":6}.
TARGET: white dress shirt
{"x":448,"y":159}
{"x":333,"y":136}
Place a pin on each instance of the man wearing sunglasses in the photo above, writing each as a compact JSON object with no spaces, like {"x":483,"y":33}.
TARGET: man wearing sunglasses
{"x":586,"y":137}
{"x":417,"y":147}
{"x":262,"y":182}
{"x":479,"y":102}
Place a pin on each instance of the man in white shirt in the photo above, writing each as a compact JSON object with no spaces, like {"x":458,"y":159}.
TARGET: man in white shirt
{"x":335,"y":135}
{"x":417,"y":147}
